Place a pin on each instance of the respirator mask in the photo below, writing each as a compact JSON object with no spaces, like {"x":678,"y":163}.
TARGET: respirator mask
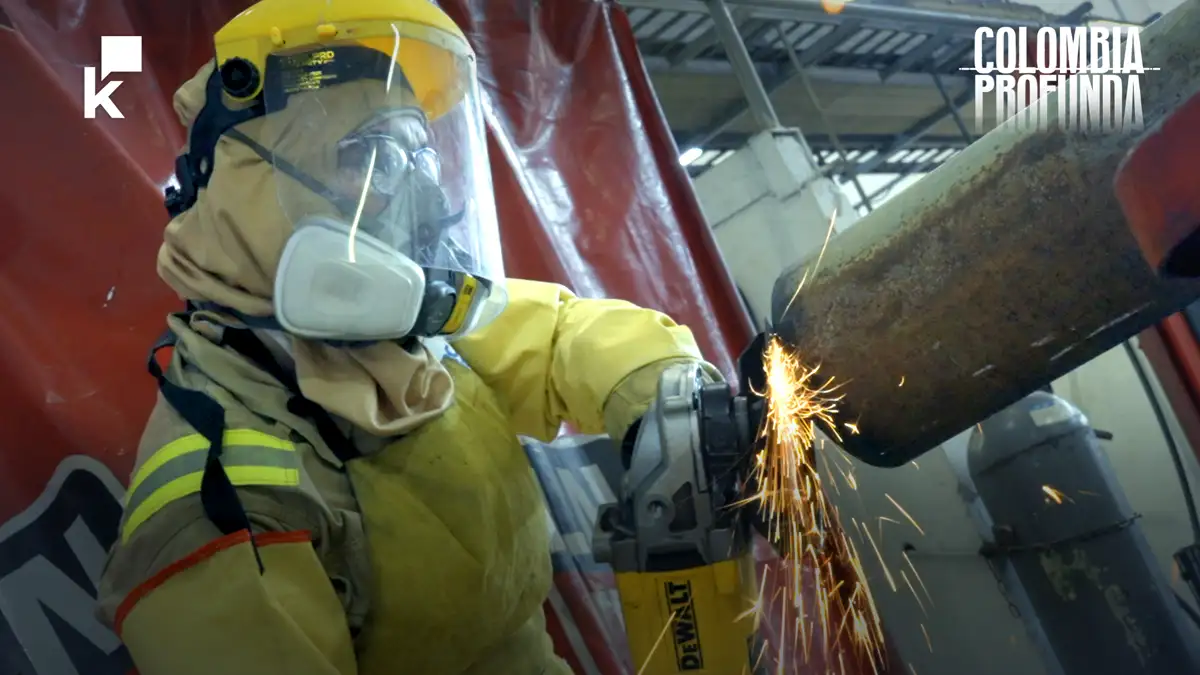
{"x":381,"y":168}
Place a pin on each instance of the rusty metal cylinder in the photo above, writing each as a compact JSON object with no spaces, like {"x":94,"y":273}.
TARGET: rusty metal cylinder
{"x":1063,"y":523}
{"x":1005,"y":268}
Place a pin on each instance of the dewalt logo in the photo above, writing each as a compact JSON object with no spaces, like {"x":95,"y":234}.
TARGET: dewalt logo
{"x":685,"y":630}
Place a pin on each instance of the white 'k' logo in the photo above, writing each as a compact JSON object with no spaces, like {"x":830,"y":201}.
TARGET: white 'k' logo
{"x":118,"y":54}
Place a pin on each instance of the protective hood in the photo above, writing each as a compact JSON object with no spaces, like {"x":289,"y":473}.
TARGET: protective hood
{"x":226,"y":249}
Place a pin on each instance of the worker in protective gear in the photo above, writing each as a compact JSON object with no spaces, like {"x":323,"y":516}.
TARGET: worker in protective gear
{"x":331,"y":480}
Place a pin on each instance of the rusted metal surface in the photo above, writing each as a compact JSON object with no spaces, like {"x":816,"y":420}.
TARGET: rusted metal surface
{"x":1006,"y":268}
{"x":1158,"y":187}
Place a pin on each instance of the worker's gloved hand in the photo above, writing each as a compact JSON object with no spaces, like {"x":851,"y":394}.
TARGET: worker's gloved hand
{"x":631,"y":398}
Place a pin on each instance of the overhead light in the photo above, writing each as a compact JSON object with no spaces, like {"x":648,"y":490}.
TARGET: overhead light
{"x":690,"y":155}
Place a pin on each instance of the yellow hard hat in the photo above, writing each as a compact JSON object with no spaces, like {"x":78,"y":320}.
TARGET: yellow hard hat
{"x":318,"y":43}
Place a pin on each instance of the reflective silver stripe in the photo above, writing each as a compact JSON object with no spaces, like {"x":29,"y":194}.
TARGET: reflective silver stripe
{"x":193,"y":462}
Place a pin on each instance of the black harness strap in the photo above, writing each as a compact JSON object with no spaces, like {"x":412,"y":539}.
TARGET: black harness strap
{"x":246,"y":343}
{"x":217,"y":494}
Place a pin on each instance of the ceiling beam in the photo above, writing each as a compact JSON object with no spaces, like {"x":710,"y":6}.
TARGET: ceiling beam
{"x":923,"y":126}
{"x":658,"y":64}
{"x":732,"y":140}
{"x":890,"y":17}
{"x":703,"y":42}
{"x":900,"y":169}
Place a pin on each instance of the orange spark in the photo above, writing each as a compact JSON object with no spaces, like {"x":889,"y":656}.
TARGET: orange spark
{"x":833,"y":6}
{"x":904,"y":513}
{"x":1054,"y":495}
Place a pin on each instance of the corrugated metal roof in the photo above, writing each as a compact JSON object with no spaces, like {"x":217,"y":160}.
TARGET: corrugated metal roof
{"x":893,"y":42}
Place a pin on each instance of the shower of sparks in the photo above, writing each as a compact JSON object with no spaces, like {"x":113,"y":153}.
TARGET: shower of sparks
{"x":802,"y":525}
{"x":901,"y":381}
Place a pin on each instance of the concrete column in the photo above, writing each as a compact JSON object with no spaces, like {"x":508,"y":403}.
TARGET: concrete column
{"x":769,"y":206}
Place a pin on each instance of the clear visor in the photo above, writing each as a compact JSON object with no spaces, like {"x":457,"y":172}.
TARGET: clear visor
{"x":386,"y":135}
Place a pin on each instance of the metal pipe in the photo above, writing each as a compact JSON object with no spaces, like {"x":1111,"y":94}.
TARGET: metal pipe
{"x":1007,"y":267}
{"x":743,"y":67}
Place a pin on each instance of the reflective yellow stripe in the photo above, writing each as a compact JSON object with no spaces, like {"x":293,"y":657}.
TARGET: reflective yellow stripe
{"x":194,"y":442}
{"x":250,"y":458}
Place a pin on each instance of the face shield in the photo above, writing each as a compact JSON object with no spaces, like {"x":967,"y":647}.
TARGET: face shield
{"x":380,"y":160}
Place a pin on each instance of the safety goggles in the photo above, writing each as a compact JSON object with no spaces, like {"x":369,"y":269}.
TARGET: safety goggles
{"x":393,"y":163}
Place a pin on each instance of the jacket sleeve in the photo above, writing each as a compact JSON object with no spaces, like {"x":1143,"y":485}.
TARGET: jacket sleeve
{"x":187,"y":600}
{"x":593,"y":363}
{"x":213,"y":611}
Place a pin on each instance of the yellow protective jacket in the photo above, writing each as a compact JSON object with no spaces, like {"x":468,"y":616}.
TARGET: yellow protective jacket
{"x":428,"y":554}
